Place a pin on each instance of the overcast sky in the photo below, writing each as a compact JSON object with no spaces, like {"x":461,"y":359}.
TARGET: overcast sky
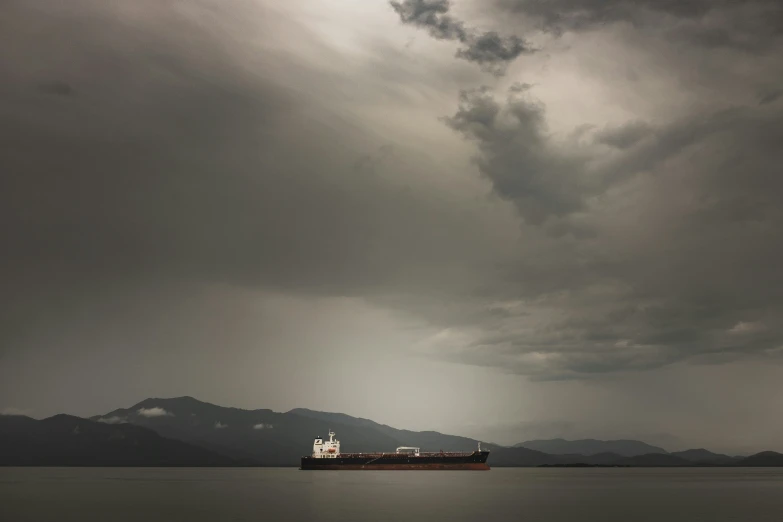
{"x":508,"y":219}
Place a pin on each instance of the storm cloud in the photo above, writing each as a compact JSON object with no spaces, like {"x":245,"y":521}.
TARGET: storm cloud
{"x":301,"y":202}
{"x":488,"y":49}
{"x":750,"y":26}
{"x":669,"y":288}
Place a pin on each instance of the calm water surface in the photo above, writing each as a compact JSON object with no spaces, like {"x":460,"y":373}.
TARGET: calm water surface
{"x":530,"y":495}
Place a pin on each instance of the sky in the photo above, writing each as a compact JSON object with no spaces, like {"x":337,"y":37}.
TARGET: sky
{"x":506,"y":219}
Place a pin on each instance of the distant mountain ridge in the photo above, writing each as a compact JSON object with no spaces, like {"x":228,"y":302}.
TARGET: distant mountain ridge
{"x":186,"y":431}
{"x":64,"y":440}
{"x":770,"y":459}
{"x":703,"y":456}
{"x":587,"y":447}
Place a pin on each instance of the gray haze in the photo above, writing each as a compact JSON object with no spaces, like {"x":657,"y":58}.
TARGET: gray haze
{"x":509,"y":219}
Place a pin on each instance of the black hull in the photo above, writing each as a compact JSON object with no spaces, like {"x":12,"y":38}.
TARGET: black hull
{"x":394,"y":461}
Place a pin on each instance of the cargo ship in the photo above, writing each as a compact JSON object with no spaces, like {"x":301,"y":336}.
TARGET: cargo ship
{"x":326,"y":455}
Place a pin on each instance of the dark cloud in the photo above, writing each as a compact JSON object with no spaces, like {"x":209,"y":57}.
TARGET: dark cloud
{"x":582,"y":14}
{"x":432,"y":15}
{"x":488,"y":49}
{"x":517,"y":156}
{"x":749,"y":25}
{"x":655,"y":282}
{"x":546,"y":177}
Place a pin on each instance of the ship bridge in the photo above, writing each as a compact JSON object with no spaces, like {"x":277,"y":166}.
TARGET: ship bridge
{"x":409,"y":449}
{"x":326,"y":449}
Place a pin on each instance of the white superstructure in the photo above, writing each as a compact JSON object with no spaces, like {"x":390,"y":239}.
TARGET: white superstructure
{"x":326,"y":449}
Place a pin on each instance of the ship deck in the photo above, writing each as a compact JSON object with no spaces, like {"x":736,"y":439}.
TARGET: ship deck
{"x":428,"y":454}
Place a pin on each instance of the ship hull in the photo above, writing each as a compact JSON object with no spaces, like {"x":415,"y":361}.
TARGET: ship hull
{"x":476,"y":461}
{"x":388,"y":467}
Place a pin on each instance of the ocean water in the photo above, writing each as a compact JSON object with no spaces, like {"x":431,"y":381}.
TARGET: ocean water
{"x":520,"y":494}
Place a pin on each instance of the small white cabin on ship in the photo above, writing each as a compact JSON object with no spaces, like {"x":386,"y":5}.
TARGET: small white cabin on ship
{"x":326,"y":449}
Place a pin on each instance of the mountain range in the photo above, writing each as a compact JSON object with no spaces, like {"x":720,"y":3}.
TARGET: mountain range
{"x":184,"y":431}
{"x":625,"y":448}
{"x":64,"y":440}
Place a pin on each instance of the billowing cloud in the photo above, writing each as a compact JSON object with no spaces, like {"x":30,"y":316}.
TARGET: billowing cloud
{"x":546,"y":176}
{"x":523,"y":164}
{"x":151,"y":413}
{"x":488,"y":49}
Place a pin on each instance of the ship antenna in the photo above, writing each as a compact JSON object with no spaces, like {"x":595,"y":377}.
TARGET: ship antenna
{"x":479,"y":446}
